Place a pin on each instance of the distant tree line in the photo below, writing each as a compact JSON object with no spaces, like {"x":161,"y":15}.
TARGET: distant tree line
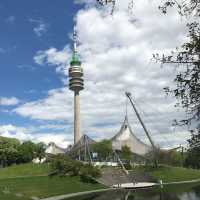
{"x":12,"y":151}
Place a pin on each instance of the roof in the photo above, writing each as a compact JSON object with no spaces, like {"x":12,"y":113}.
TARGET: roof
{"x":126,"y":137}
{"x":54,"y":149}
{"x":85,"y":140}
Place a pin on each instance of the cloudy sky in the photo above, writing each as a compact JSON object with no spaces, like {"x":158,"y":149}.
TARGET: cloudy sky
{"x":116,"y":52}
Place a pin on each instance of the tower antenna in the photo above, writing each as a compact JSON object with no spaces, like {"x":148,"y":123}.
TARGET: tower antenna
{"x":75,"y":39}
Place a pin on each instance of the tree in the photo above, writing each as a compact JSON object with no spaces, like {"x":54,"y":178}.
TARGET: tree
{"x":184,"y":8}
{"x":103,"y":149}
{"x":113,"y":3}
{"x":40,"y":150}
{"x":27,"y":152}
{"x":170,"y":157}
{"x":8,"y":151}
{"x":126,"y":153}
{"x":187,"y":80}
{"x":193,"y":154}
{"x":187,"y":90}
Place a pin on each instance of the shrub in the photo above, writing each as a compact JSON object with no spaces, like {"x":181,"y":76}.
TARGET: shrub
{"x":64,"y":165}
{"x":88,"y":173}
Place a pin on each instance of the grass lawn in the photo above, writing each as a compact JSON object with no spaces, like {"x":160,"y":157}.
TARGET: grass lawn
{"x":24,"y":170}
{"x":21,"y":182}
{"x":43,"y":186}
{"x":172,"y":174}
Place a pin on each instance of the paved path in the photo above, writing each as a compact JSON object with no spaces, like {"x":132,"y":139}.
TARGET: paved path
{"x":61,"y":197}
{"x":135,"y":185}
{"x":182,"y":182}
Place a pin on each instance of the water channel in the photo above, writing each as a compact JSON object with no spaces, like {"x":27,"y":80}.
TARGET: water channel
{"x":172,"y":192}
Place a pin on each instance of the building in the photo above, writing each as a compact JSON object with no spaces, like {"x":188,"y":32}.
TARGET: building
{"x":76,"y":84}
{"x":82,"y":149}
{"x":53,"y":149}
{"x":126,"y":137}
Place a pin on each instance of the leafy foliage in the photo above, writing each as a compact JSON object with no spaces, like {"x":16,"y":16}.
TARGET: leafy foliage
{"x":103,"y":148}
{"x":13,"y":152}
{"x":184,"y":8}
{"x":170,"y":157}
{"x":8,"y":151}
{"x":126,"y":153}
{"x":40,"y":150}
{"x":64,"y":165}
{"x":187,"y":80}
{"x":193,"y":154}
{"x":187,"y":58}
{"x":88,"y":173}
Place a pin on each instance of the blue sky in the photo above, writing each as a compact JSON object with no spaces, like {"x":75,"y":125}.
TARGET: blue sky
{"x":20,"y":76}
{"x":35,"y":50}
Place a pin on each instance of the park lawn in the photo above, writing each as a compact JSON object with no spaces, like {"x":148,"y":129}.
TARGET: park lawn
{"x":11,"y":197}
{"x":174,"y":174}
{"x":43,"y":186}
{"x":29,"y":169}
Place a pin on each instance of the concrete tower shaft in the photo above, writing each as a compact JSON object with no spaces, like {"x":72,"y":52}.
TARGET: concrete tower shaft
{"x":76,"y":84}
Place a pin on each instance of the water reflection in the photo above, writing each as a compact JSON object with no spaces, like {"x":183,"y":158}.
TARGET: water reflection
{"x":168,"y":193}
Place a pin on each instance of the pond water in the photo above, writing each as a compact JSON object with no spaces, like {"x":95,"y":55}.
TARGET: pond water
{"x":173,"y":192}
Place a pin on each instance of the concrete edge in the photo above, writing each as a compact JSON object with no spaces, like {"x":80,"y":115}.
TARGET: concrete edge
{"x":182,"y":182}
{"x":61,"y":197}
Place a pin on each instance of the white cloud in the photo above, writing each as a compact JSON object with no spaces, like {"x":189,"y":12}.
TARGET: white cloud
{"x":59,"y":139}
{"x":52,"y":56}
{"x":12,"y":101}
{"x":116,"y":52}
{"x":12,"y":131}
{"x":40,"y":27}
{"x":54,"y":107}
{"x":34,"y":134}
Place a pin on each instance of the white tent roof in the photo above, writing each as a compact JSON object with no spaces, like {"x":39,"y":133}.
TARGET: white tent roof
{"x":125,"y":137}
{"x":54,"y":149}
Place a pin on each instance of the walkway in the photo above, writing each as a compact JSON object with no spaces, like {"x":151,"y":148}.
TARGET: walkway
{"x":62,"y":197}
{"x":135,"y":185}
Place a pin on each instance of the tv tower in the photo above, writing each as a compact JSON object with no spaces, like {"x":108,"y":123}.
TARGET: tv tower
{"x":76,"y":84}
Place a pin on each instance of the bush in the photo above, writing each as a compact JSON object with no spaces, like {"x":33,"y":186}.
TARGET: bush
{"x":64,"y":165}
{"x":89,"y":172}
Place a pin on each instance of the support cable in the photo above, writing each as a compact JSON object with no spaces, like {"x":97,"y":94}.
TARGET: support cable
{"x":145,"y":129}
{"x":149,"y":118}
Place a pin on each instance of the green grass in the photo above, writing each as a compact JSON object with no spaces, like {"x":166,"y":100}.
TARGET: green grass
{"x":24,"y":170}
{"x":30,"y":180}
{"x":44,"y":186}
{"x":172,"y":174}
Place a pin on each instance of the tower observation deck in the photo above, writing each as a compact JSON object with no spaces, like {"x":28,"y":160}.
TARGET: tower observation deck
{"x":76,"y":84}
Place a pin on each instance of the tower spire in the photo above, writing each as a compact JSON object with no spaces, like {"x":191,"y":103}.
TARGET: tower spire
{"x":75,"y":57}
{"x":75,"y":39}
